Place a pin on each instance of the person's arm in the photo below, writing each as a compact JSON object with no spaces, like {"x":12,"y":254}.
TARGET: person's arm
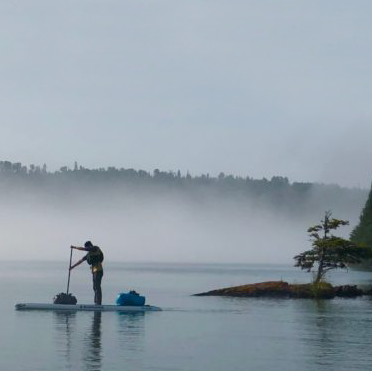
{"x":76,"y":264}
{"x":82,"y":248}
{"x":81,"y":260}
{"x":78,"y":248}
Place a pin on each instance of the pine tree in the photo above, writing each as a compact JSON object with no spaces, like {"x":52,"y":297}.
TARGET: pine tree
{"x":362,"y":233}
{"x":329,"y":251}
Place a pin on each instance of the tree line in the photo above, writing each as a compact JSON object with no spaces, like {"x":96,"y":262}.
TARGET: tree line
{"x":277,"y":192}
{"x":9,"y":170}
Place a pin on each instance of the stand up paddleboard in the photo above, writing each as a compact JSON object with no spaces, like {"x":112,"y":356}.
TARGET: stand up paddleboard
{"x":86,"y":307}
{"x":125,"y":302}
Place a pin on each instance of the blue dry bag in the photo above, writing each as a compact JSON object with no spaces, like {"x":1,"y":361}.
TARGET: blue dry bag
{"x":131,"y":298}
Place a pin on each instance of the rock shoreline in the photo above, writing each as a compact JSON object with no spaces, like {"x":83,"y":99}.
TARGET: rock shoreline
{"x":282,"y":289}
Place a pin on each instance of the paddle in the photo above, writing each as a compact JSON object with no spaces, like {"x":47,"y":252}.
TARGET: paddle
{"x":69,"y":272}
{"x":66,"y":298}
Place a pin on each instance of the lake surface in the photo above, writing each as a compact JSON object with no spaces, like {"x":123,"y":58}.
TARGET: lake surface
{"x":191,"y":333}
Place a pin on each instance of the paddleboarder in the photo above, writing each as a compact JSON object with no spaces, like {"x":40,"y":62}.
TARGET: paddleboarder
{"x":94,"y":258}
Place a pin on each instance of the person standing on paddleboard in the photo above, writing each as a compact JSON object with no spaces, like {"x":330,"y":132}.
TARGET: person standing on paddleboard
{"x":94,"y":258}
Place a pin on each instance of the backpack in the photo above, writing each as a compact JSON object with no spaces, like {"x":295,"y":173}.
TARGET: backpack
{"x":95,"y":257}
{"x":63,"y":298}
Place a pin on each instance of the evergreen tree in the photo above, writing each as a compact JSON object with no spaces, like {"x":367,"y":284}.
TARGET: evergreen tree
{"x":329,"y":251}
{"x":362,"y":233}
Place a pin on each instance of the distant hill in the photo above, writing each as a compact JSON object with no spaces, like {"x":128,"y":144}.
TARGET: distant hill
{"x":363,"y":231}
{"x":165,"y":215}
{"x":277,"y":193}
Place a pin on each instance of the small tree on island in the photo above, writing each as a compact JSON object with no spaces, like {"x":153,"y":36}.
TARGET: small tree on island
{"x":329,"y":251}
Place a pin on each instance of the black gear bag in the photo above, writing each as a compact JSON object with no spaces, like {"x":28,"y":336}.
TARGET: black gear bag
{"x":63,"y":298}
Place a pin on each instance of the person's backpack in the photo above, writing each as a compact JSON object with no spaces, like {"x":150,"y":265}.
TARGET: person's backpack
{"x":95,"y":257}
{"x":63,"y":298}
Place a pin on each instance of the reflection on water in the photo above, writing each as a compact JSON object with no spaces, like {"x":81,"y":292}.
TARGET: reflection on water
{"x":323,"y":326}
{"x":332,"y":334}
{"x":92,"y":344}
{"x":69,"y":345}
{"x":192,"y":333}
{"x":64,"y":323}
{"x":80,"y":343}
{"x":131,"y":331}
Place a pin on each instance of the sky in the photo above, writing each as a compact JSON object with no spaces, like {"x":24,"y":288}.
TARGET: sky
{"x":251,"y":88}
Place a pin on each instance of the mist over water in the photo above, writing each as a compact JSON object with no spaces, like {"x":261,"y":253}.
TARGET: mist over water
{"x":261,"y":90}
{"x":166,"y":224}
{"x":191,"y":333}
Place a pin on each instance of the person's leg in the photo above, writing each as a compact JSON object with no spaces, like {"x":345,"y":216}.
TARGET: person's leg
{"x":95,"y":287}
{"x":98,"y":289}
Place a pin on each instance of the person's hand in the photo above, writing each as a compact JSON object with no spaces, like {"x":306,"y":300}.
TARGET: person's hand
{"x":72,"y":247}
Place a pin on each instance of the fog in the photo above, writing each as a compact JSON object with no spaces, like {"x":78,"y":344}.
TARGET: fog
{"x":250,"y":88}
{"x":245,"y":87}
{"x":161,"y":224}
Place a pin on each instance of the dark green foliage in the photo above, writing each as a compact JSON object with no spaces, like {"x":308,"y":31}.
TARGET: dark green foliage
{"x":278,"y":194}
{"x":362,"y":233}
{"x":329,"y":251}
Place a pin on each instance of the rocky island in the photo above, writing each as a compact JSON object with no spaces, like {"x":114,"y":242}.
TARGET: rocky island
{"x":282,"y":289}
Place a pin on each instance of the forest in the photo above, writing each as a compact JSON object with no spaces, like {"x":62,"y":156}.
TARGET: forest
{"x":278,"y":193}
{"x":166,"y":215}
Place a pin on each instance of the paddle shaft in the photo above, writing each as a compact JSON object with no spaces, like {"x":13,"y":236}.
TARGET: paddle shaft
{"x":69,"y":272}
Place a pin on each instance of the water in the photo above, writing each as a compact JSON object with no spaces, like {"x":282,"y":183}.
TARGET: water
{"x":192,"y":333}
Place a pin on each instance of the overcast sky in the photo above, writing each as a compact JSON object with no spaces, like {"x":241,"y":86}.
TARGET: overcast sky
{"x":256,"y":88}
